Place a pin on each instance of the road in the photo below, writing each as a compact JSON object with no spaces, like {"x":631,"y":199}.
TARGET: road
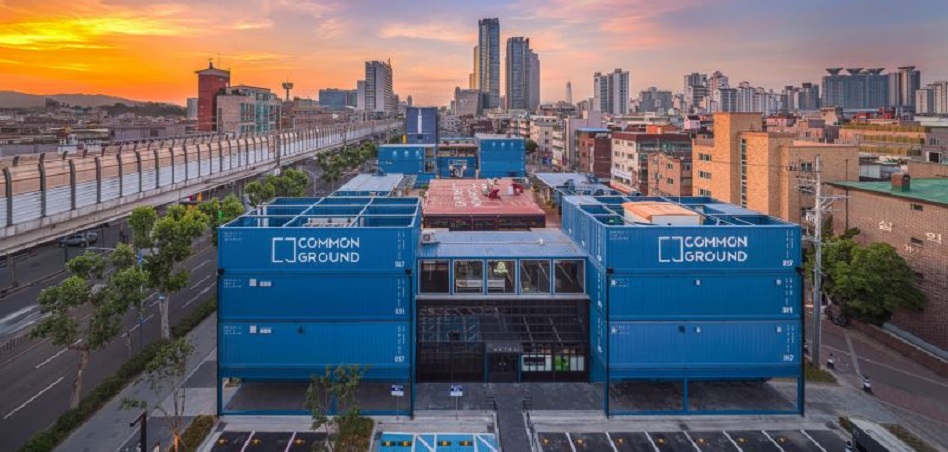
{"x":36,"y":378}
{"x":903,"y":384}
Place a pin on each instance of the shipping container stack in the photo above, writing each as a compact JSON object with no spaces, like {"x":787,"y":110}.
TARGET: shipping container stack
{"x":689,"y":290}
{"x":500,"y":156}
{"x":310,"y":283}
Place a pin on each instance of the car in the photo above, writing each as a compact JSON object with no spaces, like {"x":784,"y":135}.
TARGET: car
{"x":80,"y":239}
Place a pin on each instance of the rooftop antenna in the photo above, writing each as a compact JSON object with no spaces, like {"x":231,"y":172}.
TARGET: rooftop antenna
{"x":287,"y":85}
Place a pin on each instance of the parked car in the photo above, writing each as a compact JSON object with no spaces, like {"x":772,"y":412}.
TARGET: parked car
{"x":80,"y":239}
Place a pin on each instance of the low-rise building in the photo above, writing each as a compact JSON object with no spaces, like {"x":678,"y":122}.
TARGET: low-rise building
{"x":765,"y":171}
{"x":244,"y":110}
{"x":541,"y":132}
{"x":905,"y":140}
{"x":911,"y":214}
{"x":669,"y":174}
{"x":630,"y":153}
{"x":594,"y":151}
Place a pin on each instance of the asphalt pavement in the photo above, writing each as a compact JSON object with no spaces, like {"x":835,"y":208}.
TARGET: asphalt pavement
{"x":36,"y":378}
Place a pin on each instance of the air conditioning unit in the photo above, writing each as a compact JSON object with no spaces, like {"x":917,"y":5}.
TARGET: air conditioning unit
{"x":428,"y":236}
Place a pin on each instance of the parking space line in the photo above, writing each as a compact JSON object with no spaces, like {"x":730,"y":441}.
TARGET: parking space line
{"x":772,"y":440}
{"x":693,"y":443}
{"x":852,"y":354}
{"x":807,"y":435}
{"x":289,"y":444}
{"x":651,"y":441}
{"x":247,"y":442}
{"x":611,"y":443}
{"x":33,"y":398}
{"x":726,"y":435}
{"x":569,"y":439}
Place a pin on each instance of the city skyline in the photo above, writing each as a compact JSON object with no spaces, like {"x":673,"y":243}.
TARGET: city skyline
{"x":149,"y":50}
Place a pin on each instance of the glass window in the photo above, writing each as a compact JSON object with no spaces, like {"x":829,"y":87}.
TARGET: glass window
{"x":534,"y":277}
{"x":501,"y":276}
{"x":468,"y":277}
{"x":570,"y":276}
{"x":434,"y":277}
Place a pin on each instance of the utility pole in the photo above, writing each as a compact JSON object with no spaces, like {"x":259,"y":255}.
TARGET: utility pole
{"x":821,"y":206}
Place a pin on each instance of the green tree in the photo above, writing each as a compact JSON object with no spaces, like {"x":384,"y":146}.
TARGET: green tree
{"x":102,"y":288}
{"x":531,"y":146}
{"x":168,"y":241}
{"x":221,"y":212}
{"x":291,"y":184}
{"x":873,"y":282}
{"x":348,"y":430}
{"x":259,"y":192}
{"x":167,"y":371}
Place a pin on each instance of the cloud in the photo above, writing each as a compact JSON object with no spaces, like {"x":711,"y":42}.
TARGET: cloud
{"x":434,"y":30}
{"x":252,"y":24}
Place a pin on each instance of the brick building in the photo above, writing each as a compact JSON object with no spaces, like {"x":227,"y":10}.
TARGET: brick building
{"x":211,"y":82}
{"x":594,"y":148}
{"x":763,"y":171}
{"x":911,"y":214}
{"x":669,"y":174}
{"x":894,"y":139}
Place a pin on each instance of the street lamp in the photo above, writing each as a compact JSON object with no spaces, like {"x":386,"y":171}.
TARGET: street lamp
{"x":143,"y":419}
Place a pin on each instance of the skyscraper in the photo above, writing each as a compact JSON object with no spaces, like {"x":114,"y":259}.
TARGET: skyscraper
{"x":523,"y":75}
{"x":569,"y":93}
{"x":488,"y":62}
{"x":611,"y":92}
{"x":378,"y":88}
{"x":475,"y":78}
{"x":902,"y":87}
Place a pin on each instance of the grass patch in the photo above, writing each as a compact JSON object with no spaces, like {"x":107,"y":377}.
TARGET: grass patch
{"x":846,"y":424}
{"x":909,"y":438}
{"x":48,"y":439}
{"x":814,"y":375}
{"x":195,"y":434}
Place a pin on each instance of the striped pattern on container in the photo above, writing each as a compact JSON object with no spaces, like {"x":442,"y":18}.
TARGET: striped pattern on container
{"x":148,"y":180}
{"x":86,"y":194}
{"x":110,"y":188}
{"x":27,"y":207}
{"x":179,"y":173}
{"x":58,"y":200}
{"x":192,"y":170}
{"x":130,"y":184}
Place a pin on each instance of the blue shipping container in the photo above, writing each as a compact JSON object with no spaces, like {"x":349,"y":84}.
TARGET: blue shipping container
{"x":760,"y":349}
{"x":452,"y":167}
{"x":298,"y":350}
{"x":705,"y":296}
{"x":304,"y":297}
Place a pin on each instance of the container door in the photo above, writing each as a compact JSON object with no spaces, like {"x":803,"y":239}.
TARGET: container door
{"x":502,"y":367}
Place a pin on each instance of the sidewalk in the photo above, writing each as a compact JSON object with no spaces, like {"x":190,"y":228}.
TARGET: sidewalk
{"x":109,"y":429}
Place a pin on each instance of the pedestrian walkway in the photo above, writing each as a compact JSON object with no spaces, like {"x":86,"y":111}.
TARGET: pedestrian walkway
{"x":510,"y":422}
{"x":109,"y":429}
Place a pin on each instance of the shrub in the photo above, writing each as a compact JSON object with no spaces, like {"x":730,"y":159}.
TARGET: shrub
{"x":195,"y":434}
{"x":812,"y":374}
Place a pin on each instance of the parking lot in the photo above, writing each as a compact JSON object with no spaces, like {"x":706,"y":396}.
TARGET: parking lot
{"x":732,"y":440}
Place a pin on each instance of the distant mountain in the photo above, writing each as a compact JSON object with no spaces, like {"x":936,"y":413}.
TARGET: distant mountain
{"x":13,"y":99}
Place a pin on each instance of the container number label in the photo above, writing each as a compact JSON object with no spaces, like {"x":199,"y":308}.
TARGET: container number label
{"x":399,"y":358}
{"x":788,"y":262}
{"x":399,"y":311}
{"x":788,"y":309}
{"x":788,"y":357}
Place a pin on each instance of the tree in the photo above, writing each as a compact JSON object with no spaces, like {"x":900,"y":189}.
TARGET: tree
{"x":168,"y":371}
{"x":291,"y":183}
{"x":168,"y":242}
{"x":259,"y":192}
{"x":221,"y":212}
{"x":531,"y":146}
{"x":102,"y":288}
{"x":347,"y":431}
{"x":873,"y":282}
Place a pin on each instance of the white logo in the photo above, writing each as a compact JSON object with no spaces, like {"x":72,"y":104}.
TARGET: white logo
{"x":333,"y":250}
{"x":677,"y":249}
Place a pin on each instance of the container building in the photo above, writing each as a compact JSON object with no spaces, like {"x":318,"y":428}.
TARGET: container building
{"x":500,"y":155}
{"x":375,"y":185}
{"x":408,"y":159}
{"x":308,"y":283}
{"x":553,"y":186}
{"x":641,"y":290}
{"x":690,"y":289}
{"x":480,"y":205}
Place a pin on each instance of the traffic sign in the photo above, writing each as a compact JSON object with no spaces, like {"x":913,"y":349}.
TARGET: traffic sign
{"x":457,"y":391}
{"x":398,"y":391}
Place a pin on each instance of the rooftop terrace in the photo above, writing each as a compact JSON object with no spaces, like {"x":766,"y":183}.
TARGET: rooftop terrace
{"x":332,"y":212}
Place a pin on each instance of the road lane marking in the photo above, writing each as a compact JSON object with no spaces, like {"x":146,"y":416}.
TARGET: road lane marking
{"x":192,"y":300}
{"x":649,"y":437}
{"x":142,"y":322}
{"x":772,"y":440}
{"x":33,"y":398}
{"x":201,"y":281}
{"x":693,"y":443}
{"x":51,"y":358}
{"x":726,"y":435}
{"x":201,"y":264}
{"x":852,"y":353}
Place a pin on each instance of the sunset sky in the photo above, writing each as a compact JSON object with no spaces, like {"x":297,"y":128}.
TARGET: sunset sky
{"x":149,"y":50}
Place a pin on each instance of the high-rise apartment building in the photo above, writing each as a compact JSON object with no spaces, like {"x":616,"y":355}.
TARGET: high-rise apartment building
{"x":808,"y":97}
{"x":378,"y":88}
{"x":653,"y":100}
{"x":932,"y":99}
{"x":333,"y":98}
{"x":474,"y":79}
{"x":758,"y":170}
{"x":723,"y":100}
{"x":360,"y":95}
{"x":522,"y":75}
{"x":696,"y":91}
{"x":611,"y":92}
{"x":211,"y":82}
{"x":467,"y":102}
{"x":488,"y":62}
{"x":569,"y":93}
{"x":902,"y":87}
